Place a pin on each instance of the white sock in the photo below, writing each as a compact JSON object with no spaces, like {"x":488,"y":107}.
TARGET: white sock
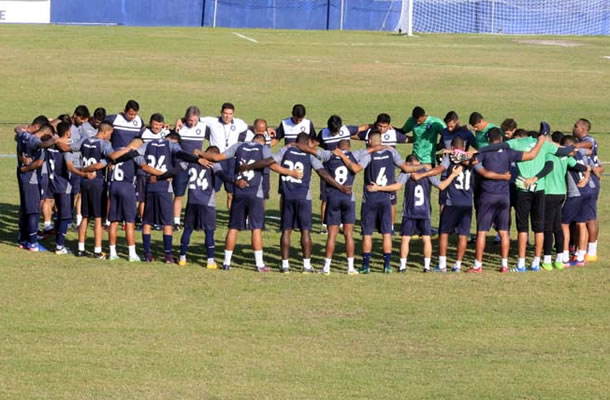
{"x":478,"y":264}
{"x":547,"y":259}
{"x":327,"y":262}
{"x":521,"y":262}
{"x":228,"y":255}
{"x":566,"y":256}
{"x":81,"y":246}
{"x":107,"y":223}
{"x":536,"y":261}
{"x":210,"y":260}
{"x":285,"y":264}
{"x":307,"y":263}
{"x":47,"y":225}
{"x":559,"y":257}
{"x":258,"y":257}
{"x":183,"y":258}
{"x":113,"y":250}
{"x":132,"y":251}
{"x":442,"y":262}
{"x":505,"y":262}
{"x":592,"y":249}
{"x":457,"y":265}
{"x":403,"y":264}
{"x":97,"y":250}
{"x":426,"y":263}
{"x":177,"y":220}
{"x":79,"y":219}
{"x":350,"y":263}
{"x":580,"y":256}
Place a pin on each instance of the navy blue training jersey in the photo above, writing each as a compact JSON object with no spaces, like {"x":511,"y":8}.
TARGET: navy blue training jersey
{"x":159,"y":154}
{"x":294,"y":159}
{"x":201,"y":184}
{"x":93,"y":151}
{"x":59,"y":176}
{"x":248,"y":153}
{"x":416,"y":204}
{"x":500,"y":162}
{"x":379,"y":168}
{"x":28,"y":145}
{"x":460,"y":190}
{"x":337,"y":169}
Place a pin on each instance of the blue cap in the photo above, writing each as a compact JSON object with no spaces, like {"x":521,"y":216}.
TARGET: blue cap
{"x":545,"y":128}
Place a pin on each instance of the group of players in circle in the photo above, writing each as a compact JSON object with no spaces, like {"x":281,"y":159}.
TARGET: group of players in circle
{"x":114,"y":167}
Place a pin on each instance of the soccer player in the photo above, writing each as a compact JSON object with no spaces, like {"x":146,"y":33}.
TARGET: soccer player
{"x":581,"y":130}
{"x":126,"y":125}
{"x":390,"y":136}
{"x":248,"y":203}
{"x":94,"y":152}
{"x":481,"y":128}
{"x":426,"y":130}
{"x":223,"y":132}
{"x":456,"y":213}
{"x":530,"y":190}
{"x":454,"y":129}
{"x":376,"y":210}
{"x":579,"y":206}
{"x":329,"y":139}
{"x":89,"y":128}
{"x":508,"y":126}
{"x":259,"y":127}
{"x":341,"y":208}
{"x":61,"y":167}
{"x":554,"y":195}
{"x":79,"y":117}
{"x":494,"y":203}
{"x":123,"y":194}
{"x":290,"y":128}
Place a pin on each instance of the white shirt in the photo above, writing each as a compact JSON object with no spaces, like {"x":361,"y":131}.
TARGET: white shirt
{"x":224,"y":135}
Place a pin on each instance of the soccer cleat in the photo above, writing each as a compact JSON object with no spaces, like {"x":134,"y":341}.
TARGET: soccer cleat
{"x":402,"y":270}
{"x":324,"y":271}
{"x":210,"y":265}
{"x":535,"y":268}
{"x":456,"y":269}
{"x":62,"y":251}
{"x":323,"y":230}
{"x":387,"y":270}
{"x":518,"y":269}
{"x":441,"y":270}
{"x":425,"y":270}
{"x":264,"y":268}
{"x":547,"y":266}
{"x":503,"y":270}
{"x":365,"y":270}
{"x":589,"y":258}
{"x":177,"y":227}
{"x":285,"y":270}
{"x":577,"y":263}
{"x":135,"y":258}
{"x":80,"y":254}
{"x":113,"y":257}
{"x":473,"y":270}
{"x":99,"y":256}
{"x":352,"y":272}
{"x":226,"y":267}
{"x":309,"y":270}
{"x":148,"y":257}
{"x":169,"y":259}
{"x":182,"y":262}
{"x":558,"y":265}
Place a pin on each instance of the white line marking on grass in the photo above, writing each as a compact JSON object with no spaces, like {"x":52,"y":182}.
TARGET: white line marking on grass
{"x":273,"y":217}
{"x":245,"y":37}
{"x":608,"y":57}
{"x":8,"y":156}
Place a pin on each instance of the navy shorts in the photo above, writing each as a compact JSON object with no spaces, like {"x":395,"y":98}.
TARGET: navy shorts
{"x":296,"y":214}
{"x":180,"y":182}
{"x":93,"y":198}
{"x":30,"y":202}
{"x":63,"y":203}
{"x":442,"y":197}
{"x":250,"y":208}
{"x":376,"y":216}
{"x":323,"y":195}
{"x":393,"y":198}
{"x":158,"y":209}
{"x":75,"y":182}
{"x":200,"y":217}
{"x":123,"y":202}
{"x":228,"y":167}
{"x":45,"y":188}
{"x":340,"y":210}
{"x":266,"y":185}
{"x":494,"y":209}
{"x":141,"y":188}
{"x":578,"y":209}
{"x":410,"y":226}
{"x":594,"y":202}
{"x":456,"y":219}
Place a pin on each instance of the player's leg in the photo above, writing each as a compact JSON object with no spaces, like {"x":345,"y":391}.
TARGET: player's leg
{"x":230,"y":242}
{"x":179,"y":185}
{"x":86,"y":211}
{"x":112,"y":233}
{"x":129,"y":205}
{"x":443,"y":243}
{"x":404,"y":251}
{"x":47,"y":215}
{"x":549,"y":216}
{"x":427,"y":252}
{"x":368,"y":217}
{"x":350,"y":247}
{"x":593,"y":229}
{"x":64,"y":216}
{"x":287,"y":217}
{"x":537,"y":216}
{"x":148,"y":219}
{"x":168,"y":235}
{"x":146,"y":241}
{"x":256,"y":216}
{"x":333,"y":230}
{"x":257,"y":248}
{"x":582,"y":244}
{"x":461,"y":250}
{"x":306,"y":248}
{"x":522,"y":213}
{"x":558,"y":233}
{"x":285,"y":249}
{"x":332,"y":217}
{"x":323,"y":206}
{"x":304,"y":223}
{"x":386,"y":230}
{"x":163,"y":217}
{"x":82,"y":236}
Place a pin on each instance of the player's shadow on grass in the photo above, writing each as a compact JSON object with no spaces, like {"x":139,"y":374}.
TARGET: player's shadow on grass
{"x":9,"y":225}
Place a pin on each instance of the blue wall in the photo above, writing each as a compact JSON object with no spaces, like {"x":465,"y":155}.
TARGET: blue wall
{"x":573,"y":18}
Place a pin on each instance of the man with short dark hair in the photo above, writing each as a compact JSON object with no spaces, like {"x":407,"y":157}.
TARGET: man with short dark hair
{"x":481,"y":128}
{"x":426,"y":130}
{"x":290,"y":128}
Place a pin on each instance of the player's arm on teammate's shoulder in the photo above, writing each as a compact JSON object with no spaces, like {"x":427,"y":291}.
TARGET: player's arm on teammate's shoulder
{"x":505,"y":176}
{"x":326,"y":177}
{"x":431,"y":172}
{"x":533,"y":153}
{"x":352,"y":166}
{"x":444,"y":184}
{"x":306,"y":148}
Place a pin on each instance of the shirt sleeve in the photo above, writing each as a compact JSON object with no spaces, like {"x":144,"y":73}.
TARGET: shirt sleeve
{"x":279,"y":132}
{"x":409,"y":125}
{"x":398,"y":161}
{"x":324,"y":155}
{"x":353,"y":129}
{"x":267,"y":152}
{"x":515,"y":155}
{"x":106,"y":148}
{"x":34,"y":142}
{"x":401,"y":137}
{"x":363,"y":159}
{"x":362,"y":135}
{"x":174,"y":147}
{"x":571,"y":162}
{"x":312,"y":130}
{"x":315,"y":163}
{"x":434,"y":181}
{"x":142,"y":149}
{"x":68,"y":157}
{"x":230,"y":152}
{"x":277,"y":157}
{"x":403,"y":178}
{"x":445,"y":162}
{"x":216,"y":167}
{"x":139,"y":160}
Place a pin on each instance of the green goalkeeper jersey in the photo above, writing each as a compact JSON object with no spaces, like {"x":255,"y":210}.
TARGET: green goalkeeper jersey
{"x":529,"y":169}
{"x":481,"y":136}
{"x":425,"y":137}
{"x":555,"y":181}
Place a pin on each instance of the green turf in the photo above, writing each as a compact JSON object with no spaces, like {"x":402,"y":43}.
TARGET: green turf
{"x":86,"y":329}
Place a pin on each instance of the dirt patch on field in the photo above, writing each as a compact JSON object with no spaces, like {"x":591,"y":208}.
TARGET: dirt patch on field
{"x":551,"y":42}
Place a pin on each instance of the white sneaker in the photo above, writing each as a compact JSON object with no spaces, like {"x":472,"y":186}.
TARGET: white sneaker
{"x":62,"y":251}
{"x":352,"y":272}
{"x":135,"y":258}
{"x":325,"y":271}
{"x":113,"y":257}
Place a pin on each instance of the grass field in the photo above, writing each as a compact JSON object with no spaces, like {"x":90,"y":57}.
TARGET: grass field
{"x":87,"y":329}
